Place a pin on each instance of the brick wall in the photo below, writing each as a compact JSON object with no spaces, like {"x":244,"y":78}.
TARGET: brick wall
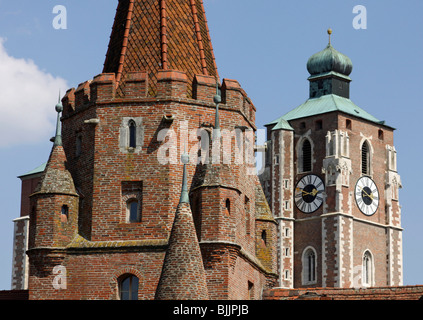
{"x":380,"y":293}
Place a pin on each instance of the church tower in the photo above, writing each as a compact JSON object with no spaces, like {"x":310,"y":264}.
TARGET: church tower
{"x":331,"y":180}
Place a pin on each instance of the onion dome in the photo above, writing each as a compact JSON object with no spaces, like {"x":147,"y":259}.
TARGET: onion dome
{"x":329,"y":60}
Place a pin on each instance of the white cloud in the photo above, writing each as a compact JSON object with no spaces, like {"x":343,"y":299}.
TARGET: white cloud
{"x":27,"y":99}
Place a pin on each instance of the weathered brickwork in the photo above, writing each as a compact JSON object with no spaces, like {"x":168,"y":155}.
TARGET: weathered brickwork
{"x":334,"y":243}
{"x":123,"y":134}
{"x":378,"y":293}
{"x":107,"y":214}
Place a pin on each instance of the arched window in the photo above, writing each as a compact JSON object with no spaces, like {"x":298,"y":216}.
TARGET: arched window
{"x":365,"y":158}
{"x":133,"y":211}
{"x":306,"y":153}
{"x":128,"y":287}
{"x":132,"y":134}
{"x":309,"y":266}
{"x":367,"y":275}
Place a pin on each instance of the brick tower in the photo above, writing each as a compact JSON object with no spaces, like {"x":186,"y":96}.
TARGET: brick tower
{"x":109,"y":224}
{"x":332,"y":183}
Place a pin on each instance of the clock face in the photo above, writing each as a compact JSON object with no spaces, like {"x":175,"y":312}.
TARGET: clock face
{"x":308,"y":191}
{"x":366,"y":195}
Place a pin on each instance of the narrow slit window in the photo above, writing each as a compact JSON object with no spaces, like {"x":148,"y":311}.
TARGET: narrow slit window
{"x":306,"y":150}
{"x":264,"y":237}
{"x":380,"y":134}
{"x":132,"y":134}
{"x":365,"y":158}
{"x":367,"y":277}
{"x":65,"y":213}
{"x":228,"y":206}
{"x":78,"y":146}
{"x":133,"y":211}
{"x":309,"y":266}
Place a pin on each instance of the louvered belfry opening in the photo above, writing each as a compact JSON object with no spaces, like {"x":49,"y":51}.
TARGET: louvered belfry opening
{"x":306,"y":156}
{"x":365,"y":158}
{"x":153,"y":35}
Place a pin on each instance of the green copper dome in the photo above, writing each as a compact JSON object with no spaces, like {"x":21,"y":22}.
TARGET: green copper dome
{"x":329,"y":60}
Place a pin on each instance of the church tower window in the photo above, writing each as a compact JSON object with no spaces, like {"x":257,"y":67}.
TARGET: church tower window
{"x":309,"y":266}
{"x":365,"y":158}
{"x":367,"y":275}
{"x":306,"y":156}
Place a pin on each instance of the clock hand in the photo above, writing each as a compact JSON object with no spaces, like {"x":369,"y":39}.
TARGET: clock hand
{"x":313,"y":193}
{"x":368,"y":195}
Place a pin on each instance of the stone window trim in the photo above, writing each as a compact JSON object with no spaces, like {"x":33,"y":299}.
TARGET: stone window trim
{"x":368,"y":269}
{"x":369,"y":161}
{"x":309,"y":266}
{"x":127,"y":125}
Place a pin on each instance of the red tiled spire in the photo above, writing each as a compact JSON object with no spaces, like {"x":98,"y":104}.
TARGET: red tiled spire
{"x":152,"y":35}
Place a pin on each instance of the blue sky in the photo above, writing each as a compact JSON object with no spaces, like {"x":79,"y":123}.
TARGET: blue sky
{"x":264,"y":45}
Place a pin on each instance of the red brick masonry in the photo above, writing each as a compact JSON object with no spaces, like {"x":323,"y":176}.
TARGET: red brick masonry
{"x":380,"y":293}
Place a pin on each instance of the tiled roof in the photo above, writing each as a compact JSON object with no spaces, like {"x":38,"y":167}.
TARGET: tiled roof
{"x":151,"y":35}
{"x":321,"y":105}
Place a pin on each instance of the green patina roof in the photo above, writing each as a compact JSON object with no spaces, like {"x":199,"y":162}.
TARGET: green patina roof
{"x":321,"y":105}
{"x":38,"y":169}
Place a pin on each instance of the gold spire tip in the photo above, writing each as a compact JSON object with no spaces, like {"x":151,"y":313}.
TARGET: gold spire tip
{"x":329,"y":33}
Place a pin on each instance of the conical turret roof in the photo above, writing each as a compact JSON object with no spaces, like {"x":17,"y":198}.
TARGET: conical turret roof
{"x":56,"y":179}
{"x":183,"y":276}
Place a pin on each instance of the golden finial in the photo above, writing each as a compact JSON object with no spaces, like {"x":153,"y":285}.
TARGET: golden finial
{"x":329,"y":33}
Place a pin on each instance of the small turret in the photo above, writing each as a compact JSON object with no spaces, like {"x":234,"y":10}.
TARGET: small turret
{"x":183,"y":276}
{"x":54,"y":203}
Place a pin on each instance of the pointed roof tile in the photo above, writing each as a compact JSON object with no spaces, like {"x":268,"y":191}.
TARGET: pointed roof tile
{"x":183,"y":276}
{"x":152,"y":35}
{"x":56,"y":179}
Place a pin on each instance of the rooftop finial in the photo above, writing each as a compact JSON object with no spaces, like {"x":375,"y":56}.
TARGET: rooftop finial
{"x":329,"y":33}
{"x":217,"y":99}
{"x":58,"y":137}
